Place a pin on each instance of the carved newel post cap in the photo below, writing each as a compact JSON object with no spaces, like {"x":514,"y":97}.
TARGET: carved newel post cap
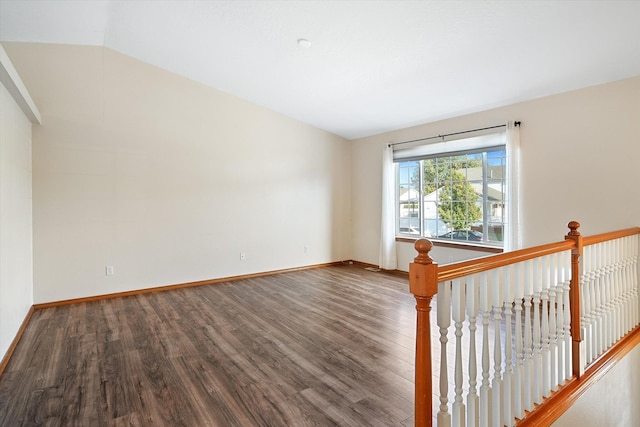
{"x":423,"y":246}
{"x":573,"y":226}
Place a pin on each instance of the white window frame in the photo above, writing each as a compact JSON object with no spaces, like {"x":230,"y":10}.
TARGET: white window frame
{"x":483,"y":143}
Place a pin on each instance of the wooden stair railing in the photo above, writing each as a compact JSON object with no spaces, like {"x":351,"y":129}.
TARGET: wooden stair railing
{"x":567,"y":324}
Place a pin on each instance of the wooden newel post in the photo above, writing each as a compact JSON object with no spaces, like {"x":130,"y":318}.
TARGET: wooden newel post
{"x":578,"y":348}
{"x":423,"y":283}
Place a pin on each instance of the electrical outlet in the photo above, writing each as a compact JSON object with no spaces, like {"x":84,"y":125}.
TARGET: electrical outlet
{"x":243,"y":256}
{"x":109,"y":270}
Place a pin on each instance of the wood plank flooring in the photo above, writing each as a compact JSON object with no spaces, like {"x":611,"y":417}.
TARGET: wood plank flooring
{"x":323,"y":347}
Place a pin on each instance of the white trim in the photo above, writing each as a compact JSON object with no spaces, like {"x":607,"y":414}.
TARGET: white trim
{"x":481,"y":142}
{"x":13,"y":83}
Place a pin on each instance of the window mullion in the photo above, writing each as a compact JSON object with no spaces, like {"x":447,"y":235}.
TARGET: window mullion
{"x":485,"y":198}
{"x":397,"y":168}
{"x":421,"y":199}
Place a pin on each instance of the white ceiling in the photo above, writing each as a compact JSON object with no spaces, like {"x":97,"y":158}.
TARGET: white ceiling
{"x":373,"y":66}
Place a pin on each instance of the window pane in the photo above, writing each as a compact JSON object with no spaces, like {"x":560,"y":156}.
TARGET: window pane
{"x":496,"y":164}
{"x":435,"y":228}
{"x":458,"y":197}
{"x":494,"y":232}
{"x":430,"y":176}
{"x":409,"y":197}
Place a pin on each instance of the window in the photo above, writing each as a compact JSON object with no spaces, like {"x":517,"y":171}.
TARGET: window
{"x":456,"y":195}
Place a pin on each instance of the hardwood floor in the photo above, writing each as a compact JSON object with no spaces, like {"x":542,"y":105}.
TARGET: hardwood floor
{"x":321,"y":347}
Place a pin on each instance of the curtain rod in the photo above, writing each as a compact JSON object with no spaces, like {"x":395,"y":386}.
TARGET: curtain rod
{"x":451,"y":134}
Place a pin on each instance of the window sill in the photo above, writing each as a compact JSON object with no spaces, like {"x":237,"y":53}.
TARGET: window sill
{"x":453,"y":244}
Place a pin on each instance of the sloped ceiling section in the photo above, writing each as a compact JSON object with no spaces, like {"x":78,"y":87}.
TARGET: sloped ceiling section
{"x":373,"y":66}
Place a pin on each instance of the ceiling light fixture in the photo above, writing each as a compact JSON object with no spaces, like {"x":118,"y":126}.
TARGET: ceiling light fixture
{"x":304,"y":43}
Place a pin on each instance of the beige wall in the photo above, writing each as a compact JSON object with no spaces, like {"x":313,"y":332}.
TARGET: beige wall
{"x":168,"y":180}
{"x":16,"y":290}
{"x":612,"y":401}
{"x":580,"y":154}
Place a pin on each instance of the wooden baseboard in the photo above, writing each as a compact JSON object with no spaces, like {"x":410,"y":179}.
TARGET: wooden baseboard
{"x":559,"y":402}
{"x":178,"y":286}
{"x":394,"y":272}
{"x":14,"y":343}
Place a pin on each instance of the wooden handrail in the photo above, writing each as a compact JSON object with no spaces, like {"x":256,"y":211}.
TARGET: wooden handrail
{"x":478,"y":265}
{"x":599,"y":238}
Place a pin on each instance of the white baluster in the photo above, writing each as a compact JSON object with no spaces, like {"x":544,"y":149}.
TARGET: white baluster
{"x":537,"y":340}
{"x":613,"y":296}
{"x":458,"y":299}
{"x":544,"y":332}
{"x":473,"y":300}
{"x":632,"y":319}
{"x":444,"y":321}
{"x":630,"y":290}
{"x":607,"y":274}
{"x":623,"y":290}
{"x":607,"y":296}
{"x":544,"y":327}
{"x":586,"y":303}
{"x":600,"y":303}
{"x":560,"y":319}
{"x":623,"y":294}
{"x":604,"y":309}
{"x":528,"y":344}
{"x":485,"y":388}
{"x":496,"y":385}
{"x":568,"y":370}
{"x":507,"y":380}
{"x":597,"y":302}
{"x":616,"y":294}
{"x":630,"y":312}
{"x":518,"y":290}
{"x":553,"y":341}
{"x":633,"y":280}
{"x":590,"y":304}
{"x":553,"y":335}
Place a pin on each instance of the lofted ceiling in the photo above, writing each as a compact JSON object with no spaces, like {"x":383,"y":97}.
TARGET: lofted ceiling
{"x":373,"y":66}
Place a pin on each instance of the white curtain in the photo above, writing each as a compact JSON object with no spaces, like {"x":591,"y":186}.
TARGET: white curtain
{"x":388,"y":259}
{"x":512,"y":227}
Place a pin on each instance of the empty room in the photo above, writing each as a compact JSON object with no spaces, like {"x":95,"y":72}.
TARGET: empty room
{"x":303,"y":213}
